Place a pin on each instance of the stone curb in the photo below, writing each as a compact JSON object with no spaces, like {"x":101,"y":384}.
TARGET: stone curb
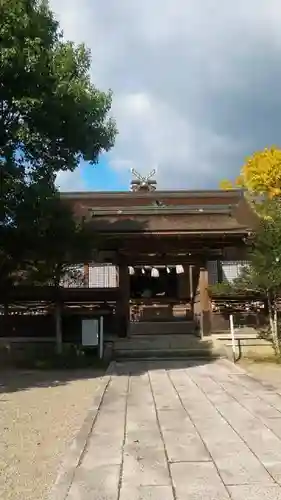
{"x":75,"y":451}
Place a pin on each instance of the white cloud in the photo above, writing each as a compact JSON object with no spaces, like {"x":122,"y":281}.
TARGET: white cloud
{"x":196,"y":82}
{"x":71,"y":181}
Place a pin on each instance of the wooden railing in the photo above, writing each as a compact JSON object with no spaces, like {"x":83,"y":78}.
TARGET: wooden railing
{"x":160,"y":309}
{"x":247,"y":312}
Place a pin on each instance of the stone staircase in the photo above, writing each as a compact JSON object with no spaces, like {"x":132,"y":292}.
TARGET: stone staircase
{"x":161,"y":328}
{"x":173,"y":340}
{"x":167,"y":346}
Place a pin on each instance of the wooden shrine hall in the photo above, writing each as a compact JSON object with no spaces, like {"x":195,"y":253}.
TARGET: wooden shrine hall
{"x":167,"y":247}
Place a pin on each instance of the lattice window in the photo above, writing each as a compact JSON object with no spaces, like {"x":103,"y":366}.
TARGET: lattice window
{"x":232,"y":269}
{"x":102,"y":276}
{"x":212,"y":272}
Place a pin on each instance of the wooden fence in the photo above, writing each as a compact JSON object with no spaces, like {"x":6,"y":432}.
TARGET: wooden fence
{"x":247,"y":313}
{"x":41,"y":328}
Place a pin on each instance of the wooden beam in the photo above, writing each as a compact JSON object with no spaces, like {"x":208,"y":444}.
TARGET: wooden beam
{"x":123,"y":302}
{"x":141,"y":244}
{"x":50,"y":293}
{"x":86,"y":273}
{"x":158,"y":261}
{"x":205,"y":302}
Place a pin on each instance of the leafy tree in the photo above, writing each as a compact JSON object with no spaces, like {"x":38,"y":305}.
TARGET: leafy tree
{"x":51,"y":116}
{"x":262,"y":276}
{"x":264,"y":271}
{"x":260,"y":175}
{"x":58,"y":243}
{"x":221,"y":289}
{"x":225,"y":184}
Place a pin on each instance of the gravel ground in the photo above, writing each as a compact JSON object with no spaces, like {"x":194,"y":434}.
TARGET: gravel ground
{"x":40,"y":413}
{"x":270,"y":373}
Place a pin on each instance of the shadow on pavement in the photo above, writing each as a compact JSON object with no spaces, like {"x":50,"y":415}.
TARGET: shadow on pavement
{"x":20,"y":380}
{"x":14,"y":380}
{"x":139,"y":367}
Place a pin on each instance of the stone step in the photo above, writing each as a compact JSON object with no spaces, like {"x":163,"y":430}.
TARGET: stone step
{"x":162,"y":327}
{"x":122,"y":354}
{"x":165,"y":346}
{"x":162,"y":342}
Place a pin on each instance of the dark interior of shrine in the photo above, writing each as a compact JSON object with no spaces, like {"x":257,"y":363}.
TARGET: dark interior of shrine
{"x":154,"y":282}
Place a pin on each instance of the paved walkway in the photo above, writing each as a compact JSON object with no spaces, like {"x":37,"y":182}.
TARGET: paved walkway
{"x":172,"y":430}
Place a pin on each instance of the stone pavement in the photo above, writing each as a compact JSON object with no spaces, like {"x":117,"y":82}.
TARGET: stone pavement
{"x":169,"y":430}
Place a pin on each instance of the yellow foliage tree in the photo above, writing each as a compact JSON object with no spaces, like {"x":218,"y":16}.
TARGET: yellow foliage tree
{"x":261,"y":174}
{"x":225,"y":184}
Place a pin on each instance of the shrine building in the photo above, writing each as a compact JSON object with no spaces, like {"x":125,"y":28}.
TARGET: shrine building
{"x":162,"y":250}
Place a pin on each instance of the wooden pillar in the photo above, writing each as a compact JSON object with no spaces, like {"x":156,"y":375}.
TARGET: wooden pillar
{"x":58,"y":326}
{"x":191,"y":287}
{"x":123,"y":304}
{"x":205,"y":302}
{"x":86,"y":274}
{"x":183,"y":283}
{"x":191,"y":284}
{"x":220,"y":272}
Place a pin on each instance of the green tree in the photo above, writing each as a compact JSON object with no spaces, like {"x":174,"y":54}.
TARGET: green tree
{"x":58,"y":243}
{"x":51,"y":115}
{"x":264,"y":271}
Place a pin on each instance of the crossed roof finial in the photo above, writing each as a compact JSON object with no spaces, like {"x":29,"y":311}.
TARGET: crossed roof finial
{"x":143,"y":182}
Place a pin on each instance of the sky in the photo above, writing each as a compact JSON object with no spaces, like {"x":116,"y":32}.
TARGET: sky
{"x":196,"y":86}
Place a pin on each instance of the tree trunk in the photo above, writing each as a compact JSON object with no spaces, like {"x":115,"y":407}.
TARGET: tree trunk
{"x":58,"y":320}
{"x":270,"y":313}
{"x":272,"y":309}
{"x":276,"y":336}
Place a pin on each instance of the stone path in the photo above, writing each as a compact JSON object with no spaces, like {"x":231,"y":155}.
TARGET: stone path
{"x":173,"y":430}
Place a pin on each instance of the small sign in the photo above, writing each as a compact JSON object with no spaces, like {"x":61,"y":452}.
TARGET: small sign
{"x":90,"y":332}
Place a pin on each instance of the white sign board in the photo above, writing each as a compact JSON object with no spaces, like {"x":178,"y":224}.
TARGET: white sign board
{"x":90,"y":332}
